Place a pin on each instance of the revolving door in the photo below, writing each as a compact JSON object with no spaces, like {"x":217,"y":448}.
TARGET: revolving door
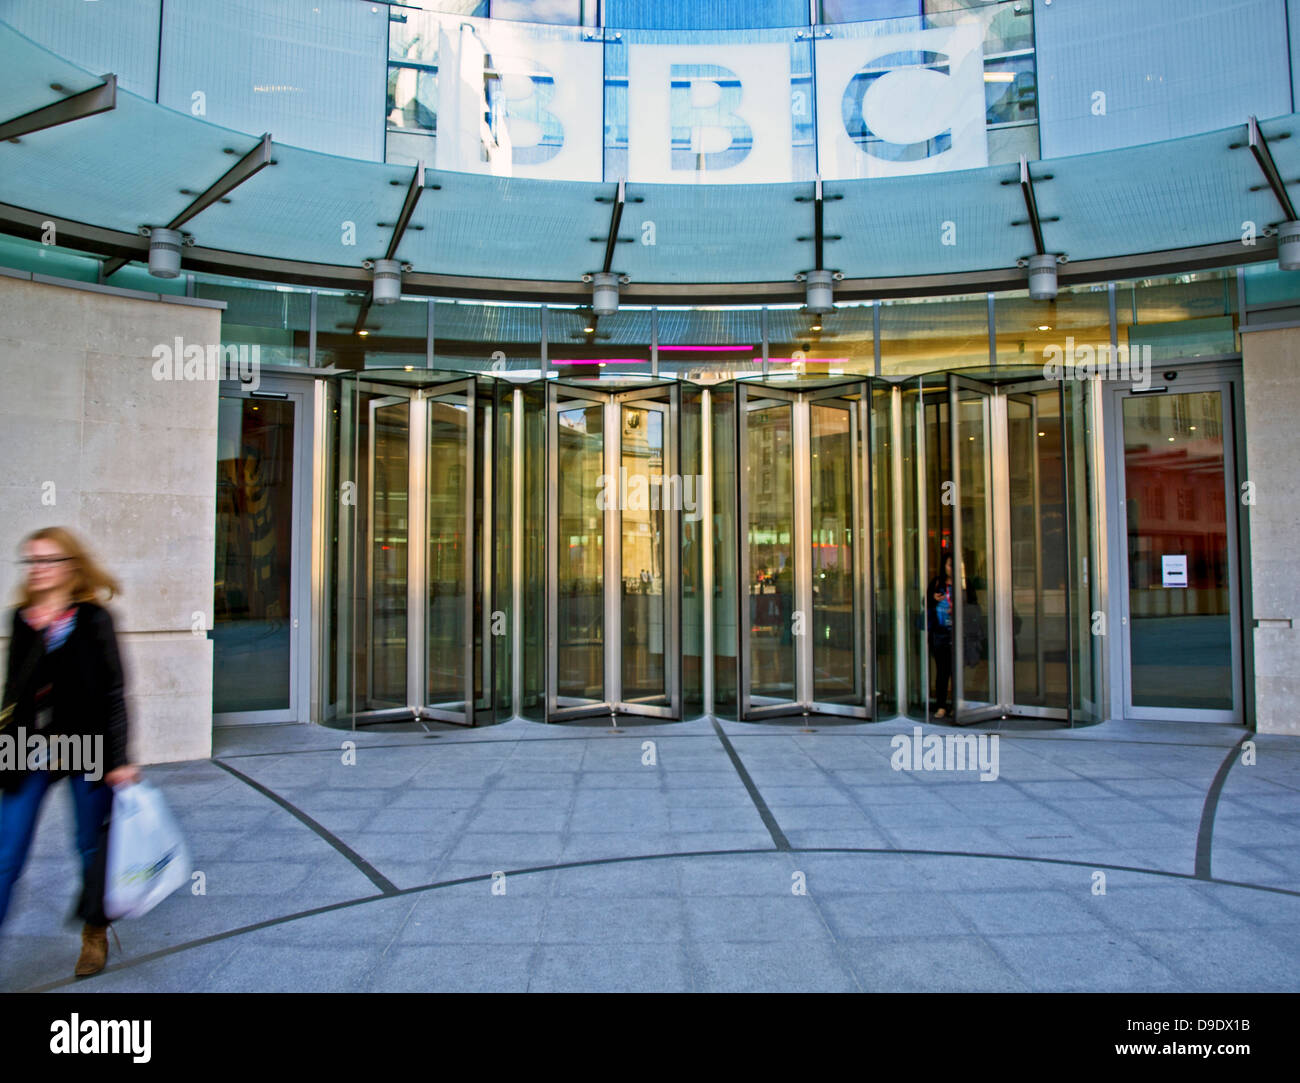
{"x":614,"y":503}
{"x":1002,"y":470}
{"x":801,"y":564}
{"x":406,"y":625}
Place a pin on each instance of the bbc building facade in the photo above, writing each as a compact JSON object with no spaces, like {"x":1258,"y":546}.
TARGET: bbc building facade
{"x":455,"y":362}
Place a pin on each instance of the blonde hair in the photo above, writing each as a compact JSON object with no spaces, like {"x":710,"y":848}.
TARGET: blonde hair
{"x":90,"y":582}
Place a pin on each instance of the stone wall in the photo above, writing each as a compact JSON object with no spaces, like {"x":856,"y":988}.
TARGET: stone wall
{"x":1270,"y":362}
{"x":94,"y":443}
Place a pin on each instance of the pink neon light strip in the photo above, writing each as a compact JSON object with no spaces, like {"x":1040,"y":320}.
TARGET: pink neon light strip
{"x":808,"y":360}
{"x":601,"y":361}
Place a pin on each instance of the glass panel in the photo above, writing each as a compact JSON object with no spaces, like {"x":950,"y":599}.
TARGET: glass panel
{"x":1180,"y":635}
{"x":834,"y":610}
{"x":928,"y":335}
{"x":535,"y":555}
{"x":884,"y":446}
{"x":726,"y":589}
{"x":692,"y":566}
{"x":842,"y":341}
{"x":391,"y":427}
{"x":447,"y":478}
{"x":580,"y":631}
{"x":1038,"y":551}
{"x":643,"y":524}
{"x":251,"y":637}
{"x":769,"y":478}
{"x":936,"y":544}
{"x":974,"y":570}
{"x":1085,"y":598}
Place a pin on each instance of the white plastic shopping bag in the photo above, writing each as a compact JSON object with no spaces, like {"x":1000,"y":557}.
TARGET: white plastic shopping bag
{"x":147,"y":855}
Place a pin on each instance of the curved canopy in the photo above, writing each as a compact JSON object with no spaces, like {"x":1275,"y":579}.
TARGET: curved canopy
{"x":313,"y":218}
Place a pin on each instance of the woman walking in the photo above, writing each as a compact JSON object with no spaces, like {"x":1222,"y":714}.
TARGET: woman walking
{"x":64,"y":680}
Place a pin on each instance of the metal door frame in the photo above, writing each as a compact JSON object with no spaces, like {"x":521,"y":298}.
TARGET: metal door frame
{"x":995,"y":538}
{"x":752,"y":395}
{"x":426,"y":396}
{"x":1005,"y":392}
{"x":417,"y":399}
{"x":1199,"y":378}
{"x":667,"y":399}
{"x":300,"y":394}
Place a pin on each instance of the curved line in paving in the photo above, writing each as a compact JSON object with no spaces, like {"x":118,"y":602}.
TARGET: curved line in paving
{"x":595,"y":862}
{"x":358,"y":862}
{"x":1205,"y":832}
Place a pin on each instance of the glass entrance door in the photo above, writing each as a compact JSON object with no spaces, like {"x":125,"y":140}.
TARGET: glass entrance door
{"x":259,"y":671}
{"x":804,"y":621}
{"x":974,"y":639}
{"x":613,"y":538}
{"x":1180,"y":638}
{"x":1004,"y":492}
{"x":403,"y":627}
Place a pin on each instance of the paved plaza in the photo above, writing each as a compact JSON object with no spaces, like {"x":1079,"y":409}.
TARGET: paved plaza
{"x":704,"y":856}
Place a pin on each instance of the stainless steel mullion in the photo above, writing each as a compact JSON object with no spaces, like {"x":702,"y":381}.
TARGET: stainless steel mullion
{"x":997,"y":541}
{"x":897,"y":529}
{"x":1040,"y":674}
{"x":705,"y":497}
{"x":613,"y":554}
{"x":468,"y":478}
{"x":743,"y":629}
{"x":672,"y":633}
{"x":552,"y":549}
{"x":517,"y":553}
{"x":860,"y":493}
{"x":958,"y":564}
{"x":417,"y":529}
{"x":802,"y":571}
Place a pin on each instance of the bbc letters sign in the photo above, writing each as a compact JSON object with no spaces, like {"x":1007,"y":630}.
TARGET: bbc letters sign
{"x":887,"y":105}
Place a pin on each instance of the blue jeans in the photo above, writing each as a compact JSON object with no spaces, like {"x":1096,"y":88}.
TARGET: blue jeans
{"x":18,"y":814}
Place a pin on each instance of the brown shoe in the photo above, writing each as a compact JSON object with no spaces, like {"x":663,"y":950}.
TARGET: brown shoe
{"x":94,"y":950}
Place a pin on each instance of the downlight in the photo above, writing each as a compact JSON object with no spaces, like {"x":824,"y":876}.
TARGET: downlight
{"x":821,"y":292}
{"x":1288,"y":246}
{"x":165,"y":250}
{"x":1042,"y":277}
{"x":604,"y":291}
{"x":387,"y":281}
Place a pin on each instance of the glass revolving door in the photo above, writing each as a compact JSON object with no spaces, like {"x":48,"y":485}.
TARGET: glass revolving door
{"x":406,"y":622}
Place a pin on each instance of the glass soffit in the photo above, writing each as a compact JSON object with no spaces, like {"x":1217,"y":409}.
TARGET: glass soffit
{"x":141,"y":164}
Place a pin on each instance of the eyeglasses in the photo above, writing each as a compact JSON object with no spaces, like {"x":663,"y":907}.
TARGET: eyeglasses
{"x":42,"y":561}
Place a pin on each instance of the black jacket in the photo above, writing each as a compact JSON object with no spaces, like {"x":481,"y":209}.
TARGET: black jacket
{"x":86,"y":684}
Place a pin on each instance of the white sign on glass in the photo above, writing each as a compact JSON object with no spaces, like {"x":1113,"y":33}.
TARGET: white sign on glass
{"x":515,"y":105}
{"x":1173,"y":570}
{"x":709,"y":113}
{"x":901,"y":104}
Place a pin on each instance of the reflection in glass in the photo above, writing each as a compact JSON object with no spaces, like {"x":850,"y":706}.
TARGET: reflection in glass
{"x":973,"y":569}
{"x":1180,"y":637}
{"x":642,"y":520}
{"x":1038,"y":550}
{"x":251,"y":608}
{"x":769,"y":480}
{"x":447,"y":480}
{"x":580,"y":632}
{"x":833,"y":625}
{"x":387,"y":564}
